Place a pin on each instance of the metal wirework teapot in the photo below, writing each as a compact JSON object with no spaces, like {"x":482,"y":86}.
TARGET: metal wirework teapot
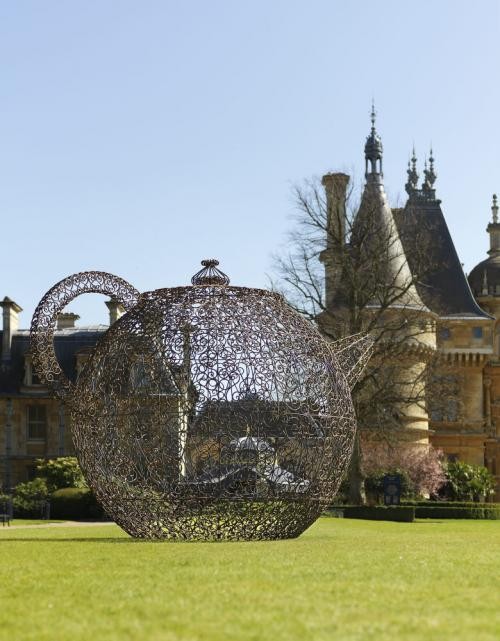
{"x":207,"y":411}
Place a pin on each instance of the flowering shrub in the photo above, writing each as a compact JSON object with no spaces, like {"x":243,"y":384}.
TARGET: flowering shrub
{"x":420,"y":468}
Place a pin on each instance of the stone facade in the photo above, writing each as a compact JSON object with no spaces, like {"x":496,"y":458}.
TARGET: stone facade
{"x":33,"y":424}
{"x":462,"y":319}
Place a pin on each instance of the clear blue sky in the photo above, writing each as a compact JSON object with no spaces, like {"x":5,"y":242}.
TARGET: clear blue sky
{"x":139,"y":137}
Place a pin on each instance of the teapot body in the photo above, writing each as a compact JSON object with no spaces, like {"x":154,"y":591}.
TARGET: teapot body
{"x":212,"y":412}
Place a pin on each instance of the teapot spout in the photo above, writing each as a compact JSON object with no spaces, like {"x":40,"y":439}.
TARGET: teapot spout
{"x":353,"y":354}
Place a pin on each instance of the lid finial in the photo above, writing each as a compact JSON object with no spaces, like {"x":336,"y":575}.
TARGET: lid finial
{"x":210,"y":275}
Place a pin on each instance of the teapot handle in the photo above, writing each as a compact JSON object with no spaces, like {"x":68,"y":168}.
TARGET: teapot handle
{"x":44,"y":319}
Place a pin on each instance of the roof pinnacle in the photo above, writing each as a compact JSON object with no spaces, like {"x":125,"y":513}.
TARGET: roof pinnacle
{"x":429,"y":174}
{"x":373,"y":152}
{"x":412,"y":183}
{"x":493,"y":230}
{"x":494,"y":209}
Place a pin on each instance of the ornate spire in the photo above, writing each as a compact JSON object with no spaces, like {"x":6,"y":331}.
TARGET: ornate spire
{"x":428,"y":192}
{"x":430,"y":174}
{"x":412,"y":184}
{"x":373,"y":152}
{"x":493,"y":230}
{"x":494,"y":210}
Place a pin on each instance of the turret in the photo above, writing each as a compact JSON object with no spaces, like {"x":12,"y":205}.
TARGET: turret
{"x":375,"y":223}
{"x":408,"y":325}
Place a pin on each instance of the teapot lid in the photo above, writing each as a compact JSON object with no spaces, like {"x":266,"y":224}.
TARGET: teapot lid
{"x":210,"y":275}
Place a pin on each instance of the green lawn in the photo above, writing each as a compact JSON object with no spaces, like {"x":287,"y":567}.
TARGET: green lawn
{"x":342,"y":580}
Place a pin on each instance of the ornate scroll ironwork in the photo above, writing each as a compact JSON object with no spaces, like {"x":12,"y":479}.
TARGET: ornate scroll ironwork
{"x":206,"y":412}
{"x":52,"y":304}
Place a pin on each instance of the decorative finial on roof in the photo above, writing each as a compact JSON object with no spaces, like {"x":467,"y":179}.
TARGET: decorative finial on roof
{"x":412,"y":184}
{"x":431,"y":174}
{"x":373,"y":152}
{"x":494,"y":209}
{"x":210,"y":275}
{"x":493,"y":230}
{"x":429,"y":178}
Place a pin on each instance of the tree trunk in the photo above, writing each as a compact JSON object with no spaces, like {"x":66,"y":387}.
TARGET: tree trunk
{"x":355,"y":476}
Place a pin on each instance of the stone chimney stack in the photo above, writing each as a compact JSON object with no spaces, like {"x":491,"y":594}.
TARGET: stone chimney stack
{"x":66,"y":320}
{"x":116,"y":310}
{"x":11,"y":312}
{"x":336,"y":192}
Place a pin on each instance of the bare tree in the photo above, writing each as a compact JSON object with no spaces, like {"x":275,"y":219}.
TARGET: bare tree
{"x":366,"y":285}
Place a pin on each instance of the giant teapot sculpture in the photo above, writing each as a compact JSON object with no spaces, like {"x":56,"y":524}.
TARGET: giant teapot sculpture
{"x":208,"y":411}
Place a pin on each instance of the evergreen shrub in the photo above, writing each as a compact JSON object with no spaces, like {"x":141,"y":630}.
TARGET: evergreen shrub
{"x":75,"y":503}
{"x":472,"y":511}
{"x":448,"y":504}
{"x":29,"y":498}
{"x":466,"y":482}
{"x":60,"y":472}
{"x":399,"y":513}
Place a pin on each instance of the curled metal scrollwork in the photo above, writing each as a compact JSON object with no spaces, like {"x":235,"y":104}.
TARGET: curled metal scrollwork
{"x":209,"y":412}
{"x":45,"y":318}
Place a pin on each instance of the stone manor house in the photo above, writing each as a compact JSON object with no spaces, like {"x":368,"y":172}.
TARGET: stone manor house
{"x":465,"y":330}
{"x":461,"y":314}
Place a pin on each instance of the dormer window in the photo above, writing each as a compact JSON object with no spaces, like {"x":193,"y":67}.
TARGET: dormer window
{"x":30,"y":376}
{"x":81,"y":358}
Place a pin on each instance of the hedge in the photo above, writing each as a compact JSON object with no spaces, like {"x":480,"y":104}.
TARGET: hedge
{"x":399,"y":513}
{"x":74,"y":503}
{"x":458,"y":512}
{"x":450,"y":504}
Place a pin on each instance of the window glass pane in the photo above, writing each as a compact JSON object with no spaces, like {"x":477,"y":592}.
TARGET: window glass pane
{"x":477,"y":332}
{"x":37,"y":422}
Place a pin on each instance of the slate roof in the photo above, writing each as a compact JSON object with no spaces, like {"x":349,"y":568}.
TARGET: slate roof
{"x":427,"y":241}
{"x":68,"y":342}
{"x":491,"y":267}
{"x":376,"y":217}
{"x":233,"y":417}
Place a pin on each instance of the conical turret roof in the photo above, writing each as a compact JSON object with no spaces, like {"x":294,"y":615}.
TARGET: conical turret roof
{"x":375,"y":222}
